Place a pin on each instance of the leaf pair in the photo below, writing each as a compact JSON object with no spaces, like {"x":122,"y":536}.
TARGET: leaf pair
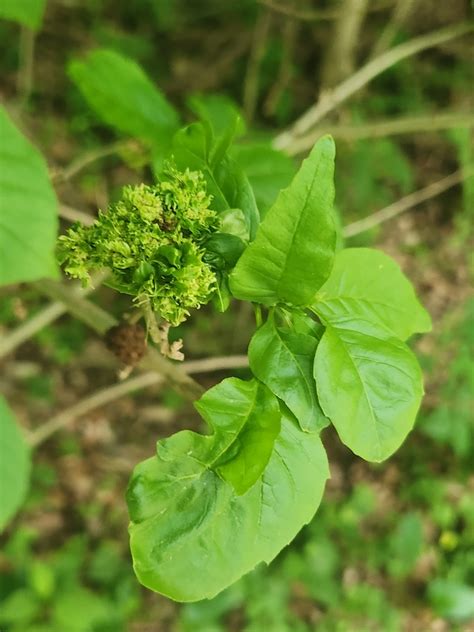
{"x":369,"y":382}
{"x":366,"y":380}
{"x":207,"y":509}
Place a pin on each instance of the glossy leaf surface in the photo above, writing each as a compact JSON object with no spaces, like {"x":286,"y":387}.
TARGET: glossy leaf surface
{"x":367,"y":288}
{"x":293,"y":252}
{"x":14,"y":465}
{"x":124,"y":97}
{"x":191,"y":535}
{"x":28,"y":209}
{"x":370,"y":388}
{"x":284,"y":360}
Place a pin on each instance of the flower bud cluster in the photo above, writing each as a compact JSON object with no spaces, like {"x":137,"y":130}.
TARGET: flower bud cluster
{"x":152,"y":241}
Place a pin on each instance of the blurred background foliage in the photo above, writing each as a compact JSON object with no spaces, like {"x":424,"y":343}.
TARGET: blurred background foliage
{"x":392,"y":545}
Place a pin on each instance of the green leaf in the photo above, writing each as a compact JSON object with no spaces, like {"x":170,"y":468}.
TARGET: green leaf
{"x":267,"y":169}
{"x":191,"y":535}
{"x":367,"y":288}
{"x":193,"y":147}
{"x":223,"y":250}
{"x":124,"y":97}
{"x":452,"y":599}
{"x":14,"y":465}
{"x":28,"y":210}
{"x":283,"y":360}
{"x":293,"y":252}
{"x":245,"y":418}
{"x":26,"y":12}
{"x":233,"y":222}
{"x":218,"y":110}
{"x":370,"y":388}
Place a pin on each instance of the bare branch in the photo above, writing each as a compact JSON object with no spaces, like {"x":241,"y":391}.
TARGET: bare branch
{"x":318,"y":14}
{"x":380,"y":129}
{"x":332,"y":99}
{"x":402,"y":10}
{"x":74,"y":215}
{"x":89,"y":157}
{"x":257,"y":51}
{"x":340,"y":57}
{"x":407,"y":202}
{"x":111,"y":393}
{"x":43,"y":318}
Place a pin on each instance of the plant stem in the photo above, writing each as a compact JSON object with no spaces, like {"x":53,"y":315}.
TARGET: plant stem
{"x":114,"y":392}
{"x":101,"y":321}
{"x":43,"y":318}
{"x":25,"y":72}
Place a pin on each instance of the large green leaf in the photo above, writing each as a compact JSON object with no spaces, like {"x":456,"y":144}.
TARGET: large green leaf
{"x":27,"y":12}
{"x":191,"y":535}
{"x":293,"y":252}
{"x":28,"y":209}
{"x":367,"y":288}
{"x":245,"y":419}
{"x":124,"y":97}
{"x":194,"y":147}
{"x":370,"y":388}
{"x":283,"y":360}
{"x":14,"y":465}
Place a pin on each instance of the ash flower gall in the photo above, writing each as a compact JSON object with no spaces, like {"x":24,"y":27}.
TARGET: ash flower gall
{"x":152,"y":241}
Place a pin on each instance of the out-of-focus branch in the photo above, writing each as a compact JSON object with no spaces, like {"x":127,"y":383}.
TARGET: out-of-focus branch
{"x":101,"y":321}
{"x":379,"y":129}
{"x":407,"y":202}
{"x":340,"y":57}
{"x":43,"y":318}
{"x":257,"y":51}
{"x":290,"y":31}
{"x":111,"y":393}
{"x":400,"y":14}
{"x":89,"y":158}
{"x":74,"y":215}
{"x":26,"y":64}
{"x":332,"y":99}
{"x":318,"y":14}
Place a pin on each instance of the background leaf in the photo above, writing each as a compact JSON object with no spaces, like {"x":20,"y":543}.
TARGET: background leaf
{"x":267,"y":169}
{"x":191,"y":536}
{"x":28,"y":209}
{"x":370,"y":388}
{"x":26,"y":12}
{"x":283,"y":360}
{"x":367,"y":288}
{"x":124,"y":97}
{"x":14,"y":465}
{"x":293,"y":252}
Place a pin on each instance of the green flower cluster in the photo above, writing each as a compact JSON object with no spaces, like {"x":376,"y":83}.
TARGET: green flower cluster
{"x":152,"y":240}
